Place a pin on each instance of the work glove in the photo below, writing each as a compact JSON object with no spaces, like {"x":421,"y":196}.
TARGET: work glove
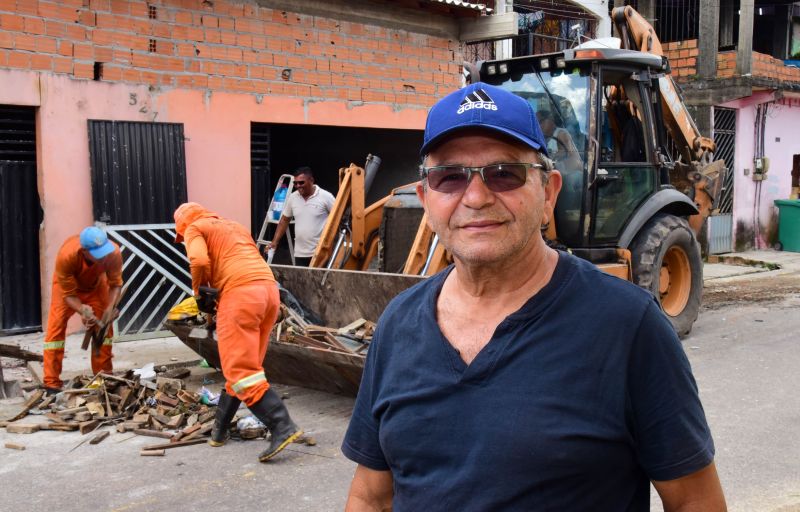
{"x":207,"y":299}
{"x":109,"y":315}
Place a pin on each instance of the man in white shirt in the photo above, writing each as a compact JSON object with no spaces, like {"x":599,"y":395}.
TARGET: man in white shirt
{"x":310,"y":206}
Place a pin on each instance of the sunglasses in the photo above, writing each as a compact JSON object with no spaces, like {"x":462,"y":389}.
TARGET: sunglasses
{"x":497,"y":177}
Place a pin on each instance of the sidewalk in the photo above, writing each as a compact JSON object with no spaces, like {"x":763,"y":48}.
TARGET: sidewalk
{"x":738,"y":264}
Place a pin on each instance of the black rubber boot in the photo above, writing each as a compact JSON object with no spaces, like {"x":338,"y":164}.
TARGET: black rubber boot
{"x":274,"y":415}
{"x":226,"y":409}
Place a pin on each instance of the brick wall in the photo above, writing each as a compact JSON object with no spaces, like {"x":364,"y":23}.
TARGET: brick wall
{"x":682,"y":57}
{"x":225,"y":45}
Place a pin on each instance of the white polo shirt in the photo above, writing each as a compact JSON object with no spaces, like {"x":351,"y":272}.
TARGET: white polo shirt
{"x":309,"y":219}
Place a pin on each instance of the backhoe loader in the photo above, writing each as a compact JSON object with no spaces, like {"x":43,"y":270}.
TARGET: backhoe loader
{"x":639,"y":180}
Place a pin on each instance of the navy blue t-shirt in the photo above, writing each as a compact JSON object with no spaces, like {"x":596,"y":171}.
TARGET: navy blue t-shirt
{"x":580,"y":398}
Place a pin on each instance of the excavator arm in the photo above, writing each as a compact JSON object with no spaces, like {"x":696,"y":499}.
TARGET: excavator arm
{"x":695,"y":173}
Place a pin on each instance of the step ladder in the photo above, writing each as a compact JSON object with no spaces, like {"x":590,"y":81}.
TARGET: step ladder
{"x":270,"y":218}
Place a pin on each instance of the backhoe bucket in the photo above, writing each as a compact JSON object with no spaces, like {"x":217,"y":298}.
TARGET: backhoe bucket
{"x":338,"y":297}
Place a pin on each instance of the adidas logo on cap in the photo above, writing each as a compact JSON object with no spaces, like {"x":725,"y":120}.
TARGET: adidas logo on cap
{"x":476,"y":99}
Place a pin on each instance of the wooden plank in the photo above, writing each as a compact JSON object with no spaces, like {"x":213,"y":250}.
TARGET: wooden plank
{"x":30,"y":403}
{"x":165,"y":399}
{"x":61,"y":427}
{"x":205,"y":429}
{"x":330,"y":338}
{"x":73,"y":410}
{"x":25,"y":428}
{"x":14,"y":446}
{"x":88,"y":426}
{"x":151,"y":453}
{"x":152,"y":433}
{"x":179,"y":444}
{"x":20,"y":353}
{"x":175,"y":421}
{"x":99,"y":437}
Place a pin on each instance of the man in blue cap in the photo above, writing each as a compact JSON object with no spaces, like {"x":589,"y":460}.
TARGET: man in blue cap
{"x":521,"y":377}
{"x":87,"y":280}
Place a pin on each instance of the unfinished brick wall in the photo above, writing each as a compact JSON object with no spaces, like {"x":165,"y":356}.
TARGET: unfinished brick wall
{"x":225,"y":45}
{"x":682,"y":57}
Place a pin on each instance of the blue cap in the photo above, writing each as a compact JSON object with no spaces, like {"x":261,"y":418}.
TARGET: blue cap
{"x":481,"y":105}
{"x":96,"y":242}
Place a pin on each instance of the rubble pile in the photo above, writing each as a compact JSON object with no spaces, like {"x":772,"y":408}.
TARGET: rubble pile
{"x":350,"y":339}
{"x":159,"y":407}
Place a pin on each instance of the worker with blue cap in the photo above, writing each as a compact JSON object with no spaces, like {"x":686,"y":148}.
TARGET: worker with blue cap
{"x":87,"y":280}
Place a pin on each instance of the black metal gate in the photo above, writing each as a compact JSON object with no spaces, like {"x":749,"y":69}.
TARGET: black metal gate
{"x":138,"y":171}
{"x":20,"y":217}
{"x":260,"y":179}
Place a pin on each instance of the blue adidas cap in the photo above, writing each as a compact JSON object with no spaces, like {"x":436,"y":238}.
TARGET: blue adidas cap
{"x":481,"y":105}
{"x":96,"y":241}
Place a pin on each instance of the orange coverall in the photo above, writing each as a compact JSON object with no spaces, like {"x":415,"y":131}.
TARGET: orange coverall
{"x":90,"y":282}
{"x":222,"y":253}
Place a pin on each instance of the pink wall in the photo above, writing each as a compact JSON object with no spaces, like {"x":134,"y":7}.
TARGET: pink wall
{"x":780,"y":143}
{"x":217,"y":127}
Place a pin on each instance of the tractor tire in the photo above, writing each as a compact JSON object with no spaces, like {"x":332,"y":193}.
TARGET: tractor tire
{"x":665,"y":260}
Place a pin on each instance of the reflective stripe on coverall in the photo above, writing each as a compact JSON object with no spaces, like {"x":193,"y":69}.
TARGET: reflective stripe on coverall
{"x":245,"y":317}
{"x":57,"y":320}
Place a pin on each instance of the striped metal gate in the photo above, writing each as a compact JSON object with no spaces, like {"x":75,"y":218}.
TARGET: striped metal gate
{"x":720,"y":234}
{"x":156,"y":273}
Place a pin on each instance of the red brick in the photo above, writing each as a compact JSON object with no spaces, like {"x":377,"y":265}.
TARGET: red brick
{"x":12,"y":22}
{"x":55,"y":28}
{"x":140,"y":26}
{"x":65,"y":48}
{"x":227,"y":38}
{"x":6,"y":40}
{"x":122,"y":57}
{"x":28,"y":6}
{"x":120,"y":7}
{"x":41,"y":62}
{"x":195,"y":34}
{"x":139,"y":9}
{"x":209,"y":21}
{"x":83,"y":51}
{"x":83,"y":70}
{"x":103,"y":54}
{"x":19,"y":60}
{"x":25,"y":42}
{"x":46,"y":45}
{"x":212,"y":36}
{"x":183,"y":18}
{"x":162,"y":30}
{"x":100,"y":5}
{"x":87,"y":18}
{"x":76,"y":32}
{"x":62,"y":65}
{"x":131,"y":75}
{"x":227,"y":23}
{"x":112,"y":73}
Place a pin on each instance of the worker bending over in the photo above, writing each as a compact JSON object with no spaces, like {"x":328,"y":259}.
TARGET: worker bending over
{"x":87,"y":281}
{"x":223,"y":255}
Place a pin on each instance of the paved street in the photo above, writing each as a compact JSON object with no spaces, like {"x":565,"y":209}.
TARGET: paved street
{"x":745,"y":357}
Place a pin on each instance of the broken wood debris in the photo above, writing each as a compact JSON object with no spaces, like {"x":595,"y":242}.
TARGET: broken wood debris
{"x":353,"y":338}
{"x":15,"y":446}
{"x":168,"y":412}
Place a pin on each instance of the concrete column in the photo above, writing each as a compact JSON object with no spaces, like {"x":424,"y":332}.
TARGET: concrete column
{"x":744,"y":48}
{"x":703,"y":116}
{"x":708,"y":39}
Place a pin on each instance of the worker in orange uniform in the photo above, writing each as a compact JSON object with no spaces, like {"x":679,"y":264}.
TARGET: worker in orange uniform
{"x":87,"y":281}
{"x":223,"y":255}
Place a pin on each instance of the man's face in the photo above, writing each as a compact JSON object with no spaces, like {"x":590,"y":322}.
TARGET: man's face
{"x":304,"y":184}
{"x":548,"y":126}
{"x":480,"y":226}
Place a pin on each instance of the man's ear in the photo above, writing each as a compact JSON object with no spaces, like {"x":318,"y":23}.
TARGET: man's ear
{"x":421,"y":195}
{"x":551,"y":191}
